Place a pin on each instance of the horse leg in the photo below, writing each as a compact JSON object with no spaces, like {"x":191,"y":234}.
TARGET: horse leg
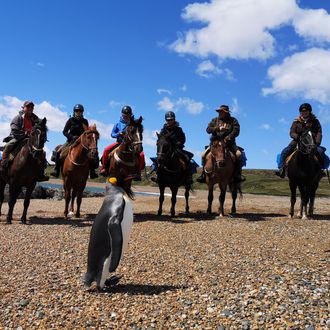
{"x":186,"y":195}
{"x":67,"y":197}
{"x":311,"y":202}
{"x":27,"y":199}
{"x":210,"y":199}
{"x":173,"y":200}
{"x":234,"y":197}
{"x":73,"y":197}
{"x":293,"y":198}
{"x":2,"y":192}
{"x":222,"y":197}
{"x":303,"y":203}
{"x":13,"y":194}
{"x":161,"y":199}
{"x":79,"y":199}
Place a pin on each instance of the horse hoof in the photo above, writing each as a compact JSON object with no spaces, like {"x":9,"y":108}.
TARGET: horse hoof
{"x":70,"y":215}
{"x":8,"y":222}
{"x":159,"y":213}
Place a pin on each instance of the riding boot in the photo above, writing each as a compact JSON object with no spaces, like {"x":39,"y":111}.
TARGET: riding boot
{"x":56,"y":172}
{"x":202,"y":177}
{"x":42,"y":177}
{"x":280,"y":172}
{"x":92,"y":173}
{"x":238,"y":177}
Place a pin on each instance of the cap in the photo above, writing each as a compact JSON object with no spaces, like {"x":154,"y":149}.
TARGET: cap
{"x":223,"y":108}
{"x":27,"y":103}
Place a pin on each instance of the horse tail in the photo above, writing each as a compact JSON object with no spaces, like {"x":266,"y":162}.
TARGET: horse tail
{"x":236,"y":186}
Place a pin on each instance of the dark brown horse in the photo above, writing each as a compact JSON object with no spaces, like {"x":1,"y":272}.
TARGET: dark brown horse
{"x":304,"y":173}
{"x":124,"y":161}
{"x":219,"y":169}
{"x":170,"y":173}
{"x":24,"y":170}
{"x":76,"y":168}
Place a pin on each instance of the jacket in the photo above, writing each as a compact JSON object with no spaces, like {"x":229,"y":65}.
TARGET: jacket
{"x":227,"y":128}
{"x":118,"y":129}
{"x":299,"y":126}
{"x":74,"y":128}
{"x":17,"y":125}
{"x":175,"y":134}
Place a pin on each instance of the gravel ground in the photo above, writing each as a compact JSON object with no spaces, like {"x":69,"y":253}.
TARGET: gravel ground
{"x":257,"y":270}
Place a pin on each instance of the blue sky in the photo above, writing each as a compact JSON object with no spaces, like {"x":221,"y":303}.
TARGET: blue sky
{"x":261,"y":57}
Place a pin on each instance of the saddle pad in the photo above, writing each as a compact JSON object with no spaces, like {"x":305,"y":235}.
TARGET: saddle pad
{"x":18,"y":146}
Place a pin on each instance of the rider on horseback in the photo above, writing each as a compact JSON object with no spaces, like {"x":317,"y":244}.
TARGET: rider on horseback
{"x":73,"y":128}
{"x":21,"y":127}
{"x":226,"y":128}
{"x":307,"y":121}
{"x":175,"y":133}
{"x":118,"y":132}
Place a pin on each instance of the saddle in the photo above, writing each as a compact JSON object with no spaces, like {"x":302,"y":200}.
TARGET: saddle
{"x":287,"y":160}
{"x":16,"y":149}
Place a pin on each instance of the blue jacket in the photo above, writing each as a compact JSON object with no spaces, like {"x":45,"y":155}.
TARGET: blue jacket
{"x":120,"y":127}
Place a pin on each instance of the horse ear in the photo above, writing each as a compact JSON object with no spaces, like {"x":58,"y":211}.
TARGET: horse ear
{"x":44,"y":121}
{"x":140,"y":119}
{"x":85,"y":127}
{"x":157,"y":134}
{"x":93,"y":127}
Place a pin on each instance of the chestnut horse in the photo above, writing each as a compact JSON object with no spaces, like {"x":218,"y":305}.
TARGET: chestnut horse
{"x":24,"y":170}
{"x":219,"y":169}
{"x":124,"y":160}
{"x":304,"y":173}
{"x":76,"y":167}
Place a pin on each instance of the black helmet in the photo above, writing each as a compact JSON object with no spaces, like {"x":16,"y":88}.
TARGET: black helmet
{"x":306,"y":106}
{"x":78,"y":107}
{"x":127,"y":110}
{"x":169,"y":115}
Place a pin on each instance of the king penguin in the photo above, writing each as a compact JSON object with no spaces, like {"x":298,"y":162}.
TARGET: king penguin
{"x":109,"y":235}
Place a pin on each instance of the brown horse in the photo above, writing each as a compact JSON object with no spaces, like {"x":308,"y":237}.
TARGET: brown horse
{"x":124,"y":161}
{"x":219,"y":169}
{"x":76,"y":167}
{"x":24,"y":170}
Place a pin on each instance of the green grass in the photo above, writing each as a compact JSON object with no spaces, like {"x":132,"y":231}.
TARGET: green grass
{"x":262,"y":182}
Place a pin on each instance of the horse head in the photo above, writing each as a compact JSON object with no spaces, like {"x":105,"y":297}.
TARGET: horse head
{"x":89,"y":141}
{"x":306,"y":143}
{"x":164,"y":149}
{"x":38,"y":138}
{"x":219,"y":152}
{"x":133,"y":137}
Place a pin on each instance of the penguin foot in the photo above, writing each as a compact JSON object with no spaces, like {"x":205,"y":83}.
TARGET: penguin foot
{"x":113,"y":280}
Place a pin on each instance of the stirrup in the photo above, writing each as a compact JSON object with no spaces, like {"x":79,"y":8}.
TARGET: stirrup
{"x":280,"y":172}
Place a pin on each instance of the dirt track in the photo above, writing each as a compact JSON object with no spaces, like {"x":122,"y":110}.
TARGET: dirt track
{"x":256,"y":270}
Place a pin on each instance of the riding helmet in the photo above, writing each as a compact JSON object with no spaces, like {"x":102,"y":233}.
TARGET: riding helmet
{"x":223,"y":108}
{"x":127,"y":110}
{"x":306,"y":106}
{"x":78,"y":107}
{"x":169,"y":115}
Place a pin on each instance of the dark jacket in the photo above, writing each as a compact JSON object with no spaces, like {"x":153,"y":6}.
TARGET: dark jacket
{"x":17,"y":125}
{"x":74,"y":128}
{"x":227,"y":128}
{"x":299,"y":126}
{"x":175,"y":134}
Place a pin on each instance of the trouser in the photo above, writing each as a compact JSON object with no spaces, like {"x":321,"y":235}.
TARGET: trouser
{"x":8,"y":148}
{"x":286,"y":152}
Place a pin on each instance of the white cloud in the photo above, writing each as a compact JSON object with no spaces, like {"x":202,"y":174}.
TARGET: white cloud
{"x":312,"y":24}
{"x":163,"y":90}
{"x":283,"y":121}
{"x":236,"y":29}
{"x":191,"y":106}
{"x":235,"y":106}
{"x":303,"y":75}
{"x":149,"y":138}
{"x":207,"y":69}
{"x":183,"y":88}
{"x":324,"y":116}
{"x":265,"y":127}
{"x":115,"y":104}
{"x":166,"y":104}
{"x":241,"y":29}
{"x":103,"y":129}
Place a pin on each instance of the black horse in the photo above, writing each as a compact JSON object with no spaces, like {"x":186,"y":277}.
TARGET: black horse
{"x":171,"y":173}
{"x":24,"y":170}
{"x":304,"y":173}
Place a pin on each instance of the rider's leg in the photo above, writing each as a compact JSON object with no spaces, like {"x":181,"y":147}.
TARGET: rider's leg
{"x":322,"y":159}
{"x":238,"y":166}
{"x":57,"y":167}
{"x":284,"y":154}
{"x":43,"y":164}
{"x":6,"y":151}
{"x":106,"y":158}
{"x":140,"y":167}
{"x":201,"y":178}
